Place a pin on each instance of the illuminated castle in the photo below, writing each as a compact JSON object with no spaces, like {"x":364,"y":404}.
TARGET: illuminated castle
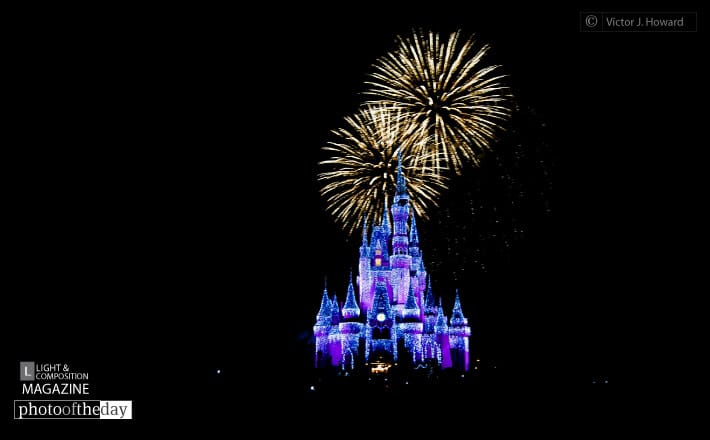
{"x":396,"y":319}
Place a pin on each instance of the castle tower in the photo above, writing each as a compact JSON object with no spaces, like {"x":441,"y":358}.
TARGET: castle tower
{"x":379,"y":267}
{"x":350,"y":330}
{"x":364,"y":280}
{"x":411,"y":327}
{"x":386,"y":228}
{"x":442,"y":337}
{"x":414,"y":250}
{"x":419,"y":274}
{"x":334,"y":346}
{"x":459,"y":333}
{"x":321,"y":330}
{"x":430,"y":346}
{"x":400,"y":261}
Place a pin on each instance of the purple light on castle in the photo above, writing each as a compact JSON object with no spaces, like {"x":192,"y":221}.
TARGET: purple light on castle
{"x":396,"y":318}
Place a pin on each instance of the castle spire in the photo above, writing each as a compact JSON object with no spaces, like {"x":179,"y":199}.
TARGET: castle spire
{"x":401,"y":182}
{"x":440,"y":325}
{"x":429,"y":303}
{"x":457,"y":304}
{"x":411,"y":309}
{"x":335,"y":310}
{"x":386,"y":221}
{"x":350,"y":308}
{"x":442,"y":334}
{"x":365,"y":243}
{"x":400,"y":218}
{"x":325,"y":312}
{"x":459,"y":332}
{"x":413,"y":233}
{"x":457,"y":317}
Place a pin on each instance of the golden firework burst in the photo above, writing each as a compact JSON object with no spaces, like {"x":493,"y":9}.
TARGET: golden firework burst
{"x":453,"y":103}
{"x":361,"y":172}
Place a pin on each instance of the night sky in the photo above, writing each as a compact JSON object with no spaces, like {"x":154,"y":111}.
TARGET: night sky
{"x":164,"y":208}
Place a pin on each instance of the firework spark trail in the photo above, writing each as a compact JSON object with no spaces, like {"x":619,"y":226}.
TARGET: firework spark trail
{"x":450,"y":103}
{"x":361,"y":172}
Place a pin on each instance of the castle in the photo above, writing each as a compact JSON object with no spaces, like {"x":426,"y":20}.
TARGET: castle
{"x":396,"y":320}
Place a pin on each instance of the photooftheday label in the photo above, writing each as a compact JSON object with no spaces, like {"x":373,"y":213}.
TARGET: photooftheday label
{"x":73,"y":409}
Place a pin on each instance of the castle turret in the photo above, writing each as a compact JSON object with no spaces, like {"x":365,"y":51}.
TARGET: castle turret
{"x":364,"y":280}
{"x":351,"y":311}
{"x":430,"y":346}
{"x":379,"y":267}
{"x":400,"y":215}
{"x":386,"y":228}
{"x":379,"y":244}
{"x":364,"y":245}
{"x":411,"y":309}
{"x":334,"y":311}
{"x":350,"y":330}
{"x":334,"y":344}
{"x":442,"y":337}
{"x":411,"y":327}
{"x":414,"y":237}
{"x":459,"y":333}
{"x":321,"y":330}
{"x":422,"y":279}
{"x":417,"y":271}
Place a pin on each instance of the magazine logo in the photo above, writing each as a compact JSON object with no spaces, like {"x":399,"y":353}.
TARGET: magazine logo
{"x":49,"y":372}
{"x":57,"y":378}
{"x":27,"y":371}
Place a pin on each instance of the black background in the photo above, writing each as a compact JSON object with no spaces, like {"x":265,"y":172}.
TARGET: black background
{"x":164,"y":219}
